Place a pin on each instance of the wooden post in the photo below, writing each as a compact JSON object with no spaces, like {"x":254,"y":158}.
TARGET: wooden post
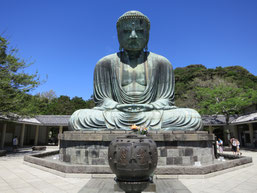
{"x":235,"y":132}
{"x":210,"y":129}
{"x":47,"y":135}
{"x":251,"y":134}
{"x":60,"y":132}
{"x":22,"y":135}
{"x":3,"y":136}
{"x":36,"y":135}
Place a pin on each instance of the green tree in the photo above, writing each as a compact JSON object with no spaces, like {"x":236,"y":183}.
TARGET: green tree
{"x":90,"y":103}
{"x":50,"y":95}
{"x":224,"y":99}
{"x":66,"y":106}
{"x":60,"y":106}
{"x":189,"y":79}
{"x":78,"y":103}
{"x":14,"y":82}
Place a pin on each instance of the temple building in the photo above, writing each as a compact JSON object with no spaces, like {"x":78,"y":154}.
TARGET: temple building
{"x":44,"y":129}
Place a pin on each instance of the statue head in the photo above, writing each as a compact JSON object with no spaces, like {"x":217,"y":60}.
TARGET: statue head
{"x":133,"y":31}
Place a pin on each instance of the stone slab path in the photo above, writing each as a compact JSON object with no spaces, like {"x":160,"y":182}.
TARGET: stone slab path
{"x":162,"y":186}
{"x":238,"y":181}
{"x":16,"y":177}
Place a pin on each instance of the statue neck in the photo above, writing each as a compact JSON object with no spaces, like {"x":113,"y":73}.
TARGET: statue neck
{"x":133,"y":58}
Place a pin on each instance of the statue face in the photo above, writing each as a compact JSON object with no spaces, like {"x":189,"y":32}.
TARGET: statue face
{"x":133,"y":34}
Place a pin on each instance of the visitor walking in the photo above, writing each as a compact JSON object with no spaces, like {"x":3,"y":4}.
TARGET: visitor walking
{"x":15,"y":143}
{"x":234,"y":145}
{"x":238,"y":148}
{"x":255,"y":143}
{"x":217,"y":145}
{"x":220,"y":144}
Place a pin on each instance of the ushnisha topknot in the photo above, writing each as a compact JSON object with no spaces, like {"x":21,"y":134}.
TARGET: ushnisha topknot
{"x":132,"y":15}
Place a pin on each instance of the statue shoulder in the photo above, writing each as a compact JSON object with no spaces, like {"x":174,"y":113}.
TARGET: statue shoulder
{"x":106,"y":60}
{"x":159,"y":59}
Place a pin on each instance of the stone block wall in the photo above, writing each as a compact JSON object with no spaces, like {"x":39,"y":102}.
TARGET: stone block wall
{"x":85,"y":153}
{"x":174,"y":147}
{"x":184,"y":155}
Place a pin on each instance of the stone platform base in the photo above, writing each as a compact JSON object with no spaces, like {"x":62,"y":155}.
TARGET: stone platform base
{"x":107,"y":186}
{"x":150,"y":188}
{"x":180,"y":148}
{"x":66,"y":168}
{"x":86,"y":153}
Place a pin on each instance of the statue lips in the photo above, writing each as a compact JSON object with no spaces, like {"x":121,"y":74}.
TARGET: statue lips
{"x":133,"y":42}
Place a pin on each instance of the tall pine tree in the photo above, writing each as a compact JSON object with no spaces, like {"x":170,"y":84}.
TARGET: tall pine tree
{"x":14,"y":82}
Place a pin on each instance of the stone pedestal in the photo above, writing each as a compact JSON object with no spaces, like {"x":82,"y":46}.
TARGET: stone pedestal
{"x":179,"y":148}
{"x":86,"y":153}
{"x":150,"y":188}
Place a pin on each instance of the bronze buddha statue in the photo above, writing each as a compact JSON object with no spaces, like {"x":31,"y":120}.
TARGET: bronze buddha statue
{"x":134,"y":86}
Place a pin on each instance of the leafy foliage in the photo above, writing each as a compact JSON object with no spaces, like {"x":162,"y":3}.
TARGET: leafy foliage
{"x":63,"y":105}
{"x":224,"y":100}
{"x":210,"y":91}
{"x":215,"y":91}
{"x":15,"y":85}
{"x":14,"y":82}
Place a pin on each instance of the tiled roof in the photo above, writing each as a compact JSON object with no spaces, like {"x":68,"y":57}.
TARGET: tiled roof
{"x":245,"y":119}
{"x":18,"y":119}
{"x":62,"y":120}
{"x":216,"y":119}
{"x":53,"y":120}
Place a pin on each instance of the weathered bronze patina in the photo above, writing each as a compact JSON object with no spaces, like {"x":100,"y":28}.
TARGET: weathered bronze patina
{"x":132,"y":157}
{"x":134,"y":86}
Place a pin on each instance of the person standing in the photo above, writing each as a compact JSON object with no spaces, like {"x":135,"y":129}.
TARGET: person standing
{"x":220,"y":143}
{"x":255,"y":143}
{"x":234,"y":145}
{"x":15,"y":143}
{"x":238,"y":148}
{"x":217,"y":146}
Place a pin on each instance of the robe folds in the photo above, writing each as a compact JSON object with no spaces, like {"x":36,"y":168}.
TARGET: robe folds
{"x":159,"y":92}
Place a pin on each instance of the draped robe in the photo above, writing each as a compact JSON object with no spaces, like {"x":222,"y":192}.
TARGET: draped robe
{"x":159,"y":92}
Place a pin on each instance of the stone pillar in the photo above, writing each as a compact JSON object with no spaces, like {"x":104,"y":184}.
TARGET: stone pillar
{"x":235,"y":132}
{"x":47,"y":136}
{"x":60,"y":132}
{"x":22,"y":135}
{"x":3,"y":136}
{"x":16,"y":130}
{"x":225,"y":134}
{"x":36,"y":135}
{"x":250,"y":125}
{"x":210,"y":129}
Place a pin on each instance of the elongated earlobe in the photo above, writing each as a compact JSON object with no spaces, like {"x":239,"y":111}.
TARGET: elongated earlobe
{"x":121,"y":49}
{"x":146,"y":48}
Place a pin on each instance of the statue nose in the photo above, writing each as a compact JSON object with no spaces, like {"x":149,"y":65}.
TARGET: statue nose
{"x":133,"y":34}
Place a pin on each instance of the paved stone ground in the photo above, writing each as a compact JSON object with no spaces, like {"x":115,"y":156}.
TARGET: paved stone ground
{"x":107,"y":185}
{"x":239,"y":181}
{"x":16,"y":177}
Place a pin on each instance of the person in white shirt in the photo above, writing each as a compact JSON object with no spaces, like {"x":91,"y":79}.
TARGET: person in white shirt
{"x":220,"y":143}
{"x":15,"y":143}
{"x":234,"y":145}
{"x":238,"y":148}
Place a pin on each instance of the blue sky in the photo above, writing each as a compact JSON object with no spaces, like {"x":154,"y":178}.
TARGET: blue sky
{"x":65,"y":38}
